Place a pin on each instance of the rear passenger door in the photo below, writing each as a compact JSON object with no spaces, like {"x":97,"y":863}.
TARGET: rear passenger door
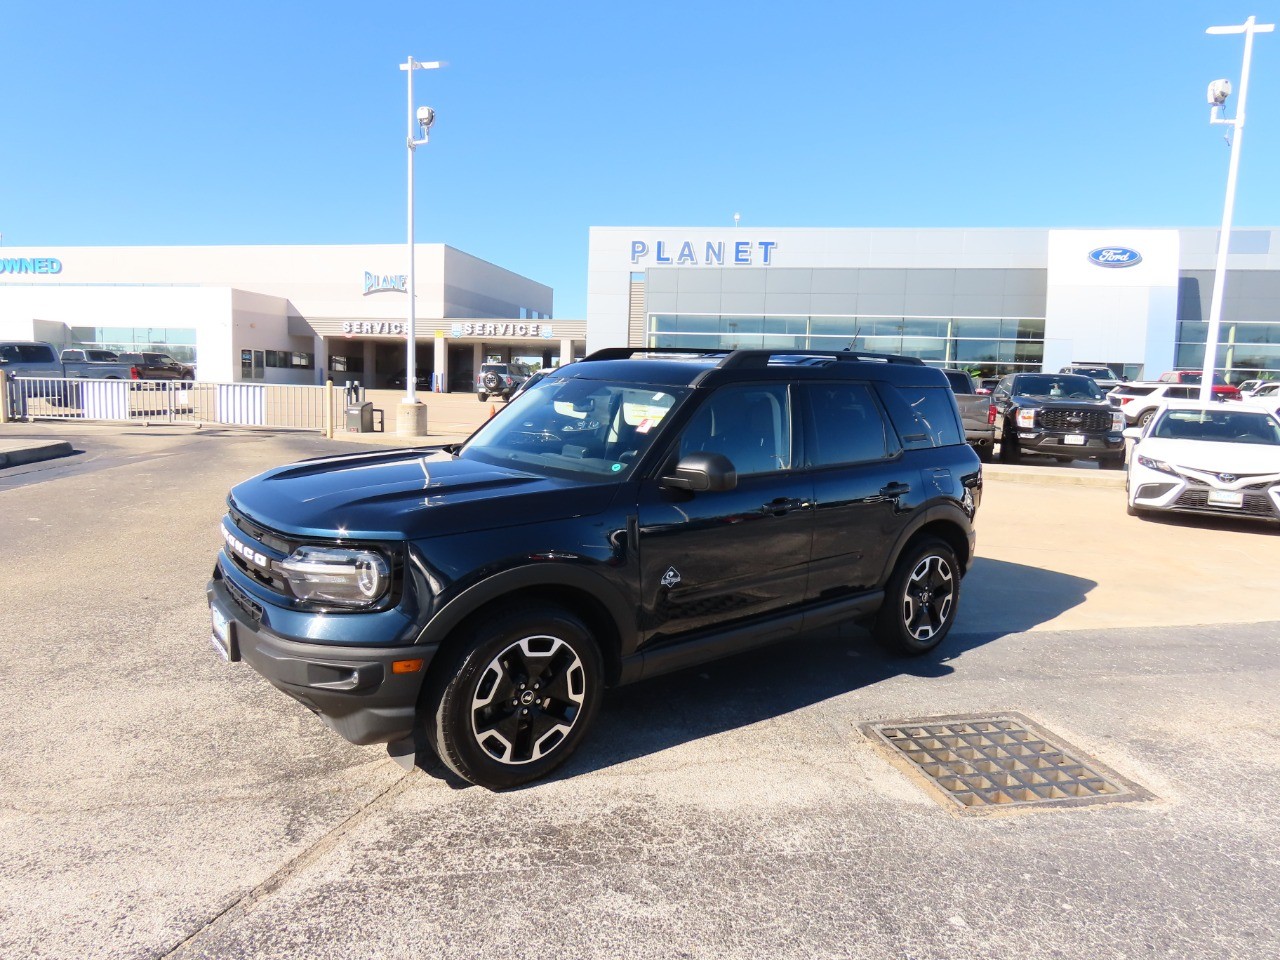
{"x":863,"y":489}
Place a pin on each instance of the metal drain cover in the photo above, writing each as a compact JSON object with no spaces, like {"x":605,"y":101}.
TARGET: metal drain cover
{"x":1001,"y":762}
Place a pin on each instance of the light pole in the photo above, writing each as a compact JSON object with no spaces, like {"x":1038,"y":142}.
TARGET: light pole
{"x":411,"y":419}
{"x":1219,"y":90}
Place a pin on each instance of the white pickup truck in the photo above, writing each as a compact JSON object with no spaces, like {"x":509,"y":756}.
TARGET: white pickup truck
{"x":31,"y":358}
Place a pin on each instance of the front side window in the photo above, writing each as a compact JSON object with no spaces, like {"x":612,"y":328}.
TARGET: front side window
{"x":749,"y":424}
{"x":576,"y":429}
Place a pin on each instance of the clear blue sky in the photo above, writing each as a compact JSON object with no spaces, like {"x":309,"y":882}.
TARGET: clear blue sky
{"x":235,"y":123}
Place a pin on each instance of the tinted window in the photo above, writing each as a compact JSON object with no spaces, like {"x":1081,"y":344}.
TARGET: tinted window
{"x":845,"y":425}
{"x":751,"y":425}
{"x":35,"y":353}
{"x":934,"y":411}
{"x":1218,"y":425}
{"x":960,"y":382}
{"x":1134,"y":391}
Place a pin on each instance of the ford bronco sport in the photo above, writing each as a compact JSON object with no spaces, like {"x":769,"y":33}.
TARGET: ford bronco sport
{"x":637,"y":512}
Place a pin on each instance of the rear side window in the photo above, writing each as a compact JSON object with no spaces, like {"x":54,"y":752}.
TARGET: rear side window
{"x":927,"y":417}
{"x":960,"y":382}
{"x":845,"y":425}
{"x":27,"y":353}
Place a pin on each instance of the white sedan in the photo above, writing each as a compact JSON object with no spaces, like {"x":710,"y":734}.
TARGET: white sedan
{"x":1221,"y":459}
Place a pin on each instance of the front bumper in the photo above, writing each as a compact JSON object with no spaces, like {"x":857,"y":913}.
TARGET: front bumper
{"x":1060,"y":444}
{"x":354,"y":690}
{"x":1156,"y":490}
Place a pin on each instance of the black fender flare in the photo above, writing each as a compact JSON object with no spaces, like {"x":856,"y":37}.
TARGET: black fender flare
{"x":546,"y":575}
{"x":948,"y":512}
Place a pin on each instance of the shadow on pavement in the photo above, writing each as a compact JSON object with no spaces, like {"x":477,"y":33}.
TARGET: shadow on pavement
{"x":657,"y":714}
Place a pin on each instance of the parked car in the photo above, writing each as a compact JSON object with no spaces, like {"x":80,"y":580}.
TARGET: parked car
{"x":33,"y":358}
{"x":1220,"y":458}
{"x":632,"y":516}
{"x":1221,"y":389}
{"x":501,"y":379}
{"x":1263,"y":388}
{"x":977,"y":412}
{"x":987,"y":384}
{"x":1140,"y":401}
{"x":421,"y":381}
{"x":1102,"y":375}
{"x":158,"y":366}
{"x":1062,"y":415}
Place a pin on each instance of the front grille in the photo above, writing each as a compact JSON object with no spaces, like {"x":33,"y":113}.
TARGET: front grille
{"x":266,"y":544}
{"x":1076,"y":421}
{"x":1256,"y":504}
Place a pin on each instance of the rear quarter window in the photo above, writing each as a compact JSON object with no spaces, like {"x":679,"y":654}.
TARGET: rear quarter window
{"x":924,"y":416}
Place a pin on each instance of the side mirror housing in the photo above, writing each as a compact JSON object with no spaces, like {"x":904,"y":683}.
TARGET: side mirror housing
{"x":701,"y":472}
{"x":1132,"y":433}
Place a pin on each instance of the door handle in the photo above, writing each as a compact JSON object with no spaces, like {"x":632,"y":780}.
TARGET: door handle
{"x":780,"y":506}
{"x":895,"y":490}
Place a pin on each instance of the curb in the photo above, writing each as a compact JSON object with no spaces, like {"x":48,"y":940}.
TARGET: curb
{"x":34,"y":453}
{"x":1054,"y":476}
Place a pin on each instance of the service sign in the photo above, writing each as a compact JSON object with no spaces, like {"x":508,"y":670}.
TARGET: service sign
{"x":386,"y":328}
{"x":496,"y":329}
{"x":1115,"y":257}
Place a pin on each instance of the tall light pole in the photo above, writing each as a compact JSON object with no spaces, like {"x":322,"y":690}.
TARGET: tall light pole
{"x":411,"y":419}
{"x":1219,"y":90}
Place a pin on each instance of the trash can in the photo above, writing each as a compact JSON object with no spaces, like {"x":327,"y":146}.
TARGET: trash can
{"x":360,"y":417}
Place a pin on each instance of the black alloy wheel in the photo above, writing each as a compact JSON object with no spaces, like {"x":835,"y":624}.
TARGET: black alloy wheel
{"x":921,"y":598}
{"x":518,"y":698}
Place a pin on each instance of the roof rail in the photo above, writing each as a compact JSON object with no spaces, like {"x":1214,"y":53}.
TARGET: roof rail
{"x":752,"y":359}
{"x":626,"y":353}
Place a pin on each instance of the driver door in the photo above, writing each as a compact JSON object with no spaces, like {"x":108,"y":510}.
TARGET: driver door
{"x":712,"y":558}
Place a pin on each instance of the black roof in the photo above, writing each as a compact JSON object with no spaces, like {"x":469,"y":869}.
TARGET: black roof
{"x":685,"y":367}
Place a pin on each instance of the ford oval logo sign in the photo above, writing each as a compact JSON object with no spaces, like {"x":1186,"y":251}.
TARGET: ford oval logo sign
{"x":1115,"y":257}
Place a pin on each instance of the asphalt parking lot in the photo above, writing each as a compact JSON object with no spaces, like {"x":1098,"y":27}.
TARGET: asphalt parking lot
{"x":157,"y":802}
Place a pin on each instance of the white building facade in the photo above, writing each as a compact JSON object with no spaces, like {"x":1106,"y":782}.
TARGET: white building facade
{"x":992,"y":301}
{"x":286,"y":314}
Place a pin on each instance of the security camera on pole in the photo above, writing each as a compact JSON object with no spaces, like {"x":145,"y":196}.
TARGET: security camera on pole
{"x":1219,"y":90}
{"x":411,"y":418}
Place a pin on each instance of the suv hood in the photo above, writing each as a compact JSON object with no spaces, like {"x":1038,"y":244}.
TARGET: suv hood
{"x":406,"y":495}
{"x":1031,"y":399}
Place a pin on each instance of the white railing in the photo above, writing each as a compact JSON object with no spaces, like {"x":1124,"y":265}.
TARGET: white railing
{"x":282,"y":406}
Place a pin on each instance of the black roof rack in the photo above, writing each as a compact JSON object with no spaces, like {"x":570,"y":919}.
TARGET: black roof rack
{"x":749,"y":359}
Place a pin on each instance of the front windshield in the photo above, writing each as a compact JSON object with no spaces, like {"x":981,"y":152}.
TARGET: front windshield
{"x":1218,"y":426}
{"x":1056,"y":387}
{"x":576,"y":429}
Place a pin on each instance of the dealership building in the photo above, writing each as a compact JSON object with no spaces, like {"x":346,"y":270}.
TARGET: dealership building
{"x":286,"y":314}
{"x":991,"y":301}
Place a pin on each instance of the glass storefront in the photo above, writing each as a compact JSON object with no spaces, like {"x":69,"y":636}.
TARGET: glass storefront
{"x":1246,"y":349}
{"x":985,"y":346}
{"x":177,"y":342}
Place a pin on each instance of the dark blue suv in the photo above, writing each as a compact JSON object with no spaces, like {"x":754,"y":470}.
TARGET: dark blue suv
{"x":638,"y":512}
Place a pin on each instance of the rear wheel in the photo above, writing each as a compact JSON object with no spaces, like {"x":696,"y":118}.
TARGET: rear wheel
{"x":1112,"y":463}
{"x":1146,"y":418}
{"x":920,"y":599}
{"x":518,"y":698}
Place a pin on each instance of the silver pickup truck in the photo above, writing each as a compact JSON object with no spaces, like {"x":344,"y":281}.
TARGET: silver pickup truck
{"x":31,"y":358}
{"x":977,"y":412}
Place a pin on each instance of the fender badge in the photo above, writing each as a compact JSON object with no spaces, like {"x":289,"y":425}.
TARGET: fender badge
{"x":670,"y":578}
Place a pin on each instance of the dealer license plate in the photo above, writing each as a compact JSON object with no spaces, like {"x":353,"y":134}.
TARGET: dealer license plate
{"x":221,"y":634}
{"x":1226,"y":498}
{"x":1074,"y":440}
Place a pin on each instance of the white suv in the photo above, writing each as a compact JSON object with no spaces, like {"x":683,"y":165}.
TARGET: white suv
{"x":1139,"y":402}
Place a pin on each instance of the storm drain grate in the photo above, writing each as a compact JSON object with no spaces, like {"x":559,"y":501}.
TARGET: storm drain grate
{"x":1005,"y":761}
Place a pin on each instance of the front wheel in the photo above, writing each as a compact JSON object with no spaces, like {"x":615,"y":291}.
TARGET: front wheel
{"x":921,"y":598}
{"x":518,"y":699}
{"x":482,"y":397}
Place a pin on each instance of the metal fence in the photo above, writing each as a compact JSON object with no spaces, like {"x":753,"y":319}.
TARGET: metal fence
{"x":283,"y":406}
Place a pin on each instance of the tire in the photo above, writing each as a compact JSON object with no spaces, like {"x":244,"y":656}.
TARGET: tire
{"x":1146,"y":418}
{"x":491,"y":382}
{"x":471,"y":716}
{"x":482,"y":397}
{"x":1010,"y":451}
{"x":921,"y":598}
{"x":1133,"y":511}
{"x":984,"y":451}
{"x":1111,"y":463}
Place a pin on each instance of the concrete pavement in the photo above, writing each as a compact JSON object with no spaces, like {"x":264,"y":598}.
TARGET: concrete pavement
{"x":159,"y":803}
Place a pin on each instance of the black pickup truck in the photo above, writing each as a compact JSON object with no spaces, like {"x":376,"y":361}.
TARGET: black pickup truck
{"x":1061,"y":415}
{"x":158,"y":366}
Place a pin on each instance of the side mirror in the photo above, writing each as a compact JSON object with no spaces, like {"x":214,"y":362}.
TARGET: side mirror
{"x":699,"y":472}
{"x":1132,"y":433}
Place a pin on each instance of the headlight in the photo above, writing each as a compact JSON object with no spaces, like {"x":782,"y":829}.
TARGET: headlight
{"x":348,"y":578}
{"x":1026,"y":418}
{"x":1159,"y":465}
{"x":1117,"y":422}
